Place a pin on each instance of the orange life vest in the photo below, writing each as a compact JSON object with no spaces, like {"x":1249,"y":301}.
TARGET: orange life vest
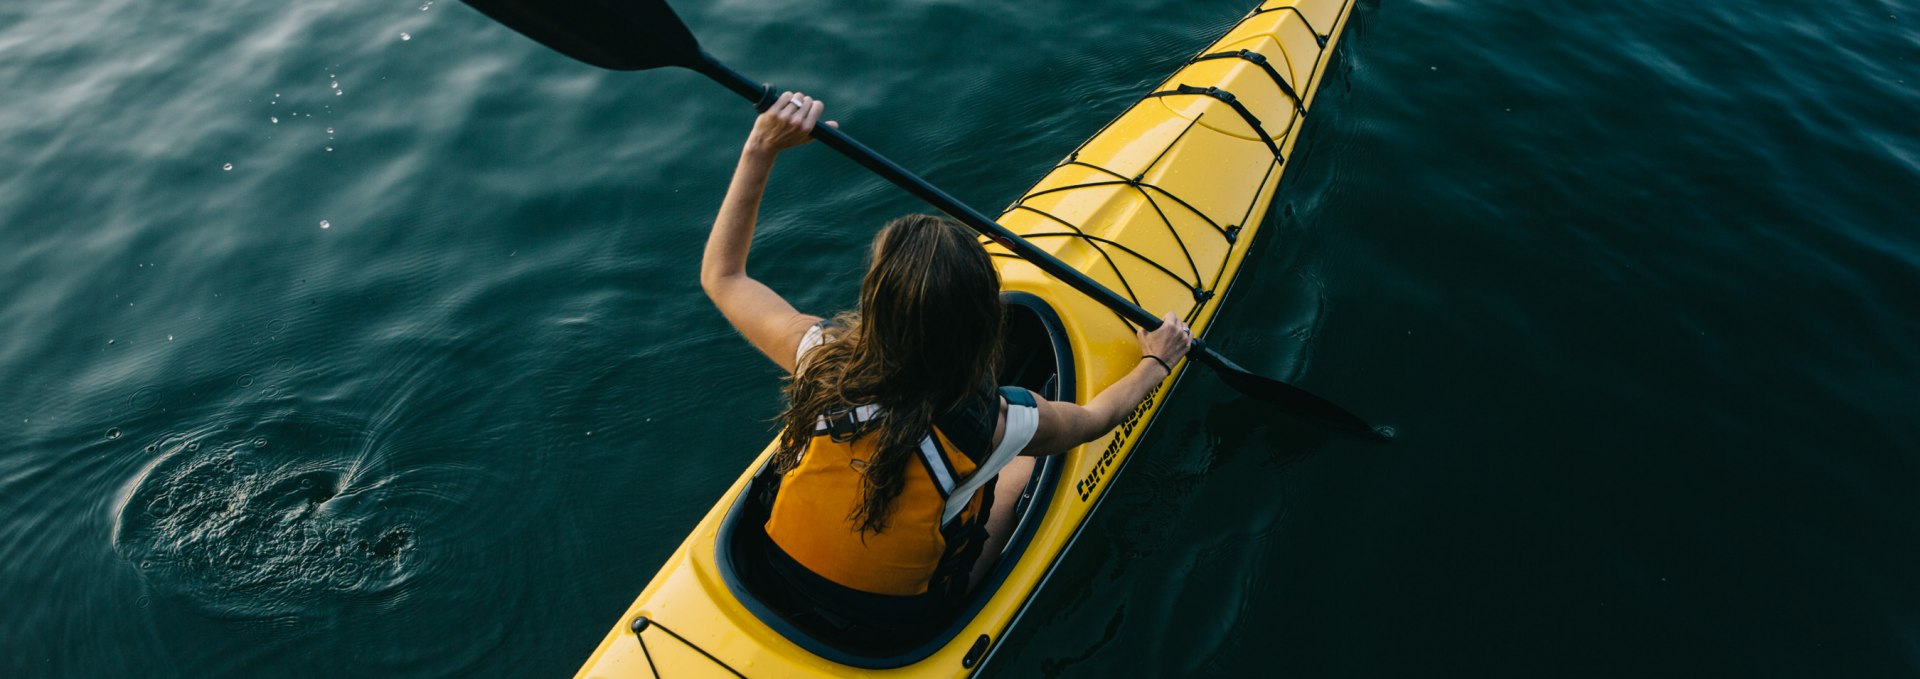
{"x":937,"y":524}
{"x":810,"y":521}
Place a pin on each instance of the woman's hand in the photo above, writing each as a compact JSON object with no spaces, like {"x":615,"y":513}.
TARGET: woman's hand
{"x":1169,"y":342}
{"x":786,"y":124}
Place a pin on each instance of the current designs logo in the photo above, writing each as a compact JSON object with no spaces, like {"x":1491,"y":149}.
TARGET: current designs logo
{"x":1086,"y":485}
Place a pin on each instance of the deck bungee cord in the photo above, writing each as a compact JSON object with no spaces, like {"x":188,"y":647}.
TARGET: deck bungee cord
{"x":640,"y":626}
{"x":1202,"y":291}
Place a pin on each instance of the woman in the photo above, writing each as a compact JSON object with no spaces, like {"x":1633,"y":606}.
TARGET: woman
{"x":896,"y":445}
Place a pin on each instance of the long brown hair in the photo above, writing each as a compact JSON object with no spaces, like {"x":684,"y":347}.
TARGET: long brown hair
{"x":926,"y":339}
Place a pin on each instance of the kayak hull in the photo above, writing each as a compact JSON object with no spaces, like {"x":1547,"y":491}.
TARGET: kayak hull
{"x":1162,"y":206}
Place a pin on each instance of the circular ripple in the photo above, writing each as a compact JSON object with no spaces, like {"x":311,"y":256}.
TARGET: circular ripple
{"x":261,"y":521}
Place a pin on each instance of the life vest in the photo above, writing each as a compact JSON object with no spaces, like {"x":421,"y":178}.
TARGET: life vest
{"x":936,"y":525}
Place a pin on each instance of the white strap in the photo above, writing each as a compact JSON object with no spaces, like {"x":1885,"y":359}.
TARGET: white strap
{"x":816,"y":336}
{"x":1022,"y":422}
{"x":860,"y":414}
{"x":938,"y":464}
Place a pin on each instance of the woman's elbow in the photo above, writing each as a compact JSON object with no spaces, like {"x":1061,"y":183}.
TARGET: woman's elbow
{"x":715,"y":283}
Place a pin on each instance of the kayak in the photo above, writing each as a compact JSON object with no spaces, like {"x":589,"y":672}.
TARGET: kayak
{"x":1162,"y":206}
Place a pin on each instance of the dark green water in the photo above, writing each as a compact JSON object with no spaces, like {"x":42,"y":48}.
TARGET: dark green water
{"x":424,"y":385}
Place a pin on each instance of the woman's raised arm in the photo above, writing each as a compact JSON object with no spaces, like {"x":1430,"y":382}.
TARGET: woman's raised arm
{"x":765,"y":318}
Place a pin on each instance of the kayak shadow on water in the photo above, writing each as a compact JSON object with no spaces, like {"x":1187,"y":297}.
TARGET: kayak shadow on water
{"x":1224,"y":451}
{"x":1246,"y":424}
{"x":1168,"y":550}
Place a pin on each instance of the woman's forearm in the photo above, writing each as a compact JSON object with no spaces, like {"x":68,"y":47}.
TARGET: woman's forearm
{"x":1065,"y":425}
{"x":727,"y":245}
{"x":1114,"y":404}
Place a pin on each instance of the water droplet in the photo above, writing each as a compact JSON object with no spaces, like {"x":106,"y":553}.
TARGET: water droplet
{"x":335,"y":85}
{"x":404,"y":36}
{"x":329,"y":130}
{"x":275,"y":119}
{"x":245,"y":380}
{"x":193,"y":446}
{"x":113,"y":433}
{"x":426,"y":5}
{"x":169,"y":338}
{"x":228,"y":167}
{"x":324,"y":224}
{"x":109,"y":341}
{"x":335,"y":93}
{"x":329,"y":149}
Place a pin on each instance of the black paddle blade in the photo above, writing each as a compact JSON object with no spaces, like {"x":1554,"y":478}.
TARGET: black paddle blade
{"x":623,"y":35}
{"x":1299,"y":401}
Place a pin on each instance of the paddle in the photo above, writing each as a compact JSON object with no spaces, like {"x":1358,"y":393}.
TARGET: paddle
{"x":633,"y":35}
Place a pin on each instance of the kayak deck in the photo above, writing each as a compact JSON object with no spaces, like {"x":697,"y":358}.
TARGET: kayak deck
{"x":1161,"y":205}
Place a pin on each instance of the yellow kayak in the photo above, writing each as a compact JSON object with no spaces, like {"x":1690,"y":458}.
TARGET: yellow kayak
{"x":1161,"y":206}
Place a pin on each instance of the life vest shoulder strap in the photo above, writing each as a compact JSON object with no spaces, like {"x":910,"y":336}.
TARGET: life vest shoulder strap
{"x":945,"y":477}
{"x":1023,"y":419}
{"x":845,"y":423}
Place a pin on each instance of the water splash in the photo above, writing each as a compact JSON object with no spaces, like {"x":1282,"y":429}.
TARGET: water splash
{"x":262,"y":523}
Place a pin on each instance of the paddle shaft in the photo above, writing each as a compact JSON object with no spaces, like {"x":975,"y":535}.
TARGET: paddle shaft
{"x":602,"y":32}
{"x":763,"y":96}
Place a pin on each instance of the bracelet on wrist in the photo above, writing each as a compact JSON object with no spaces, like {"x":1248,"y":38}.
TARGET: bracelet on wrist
{"x":1159,"y":360}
